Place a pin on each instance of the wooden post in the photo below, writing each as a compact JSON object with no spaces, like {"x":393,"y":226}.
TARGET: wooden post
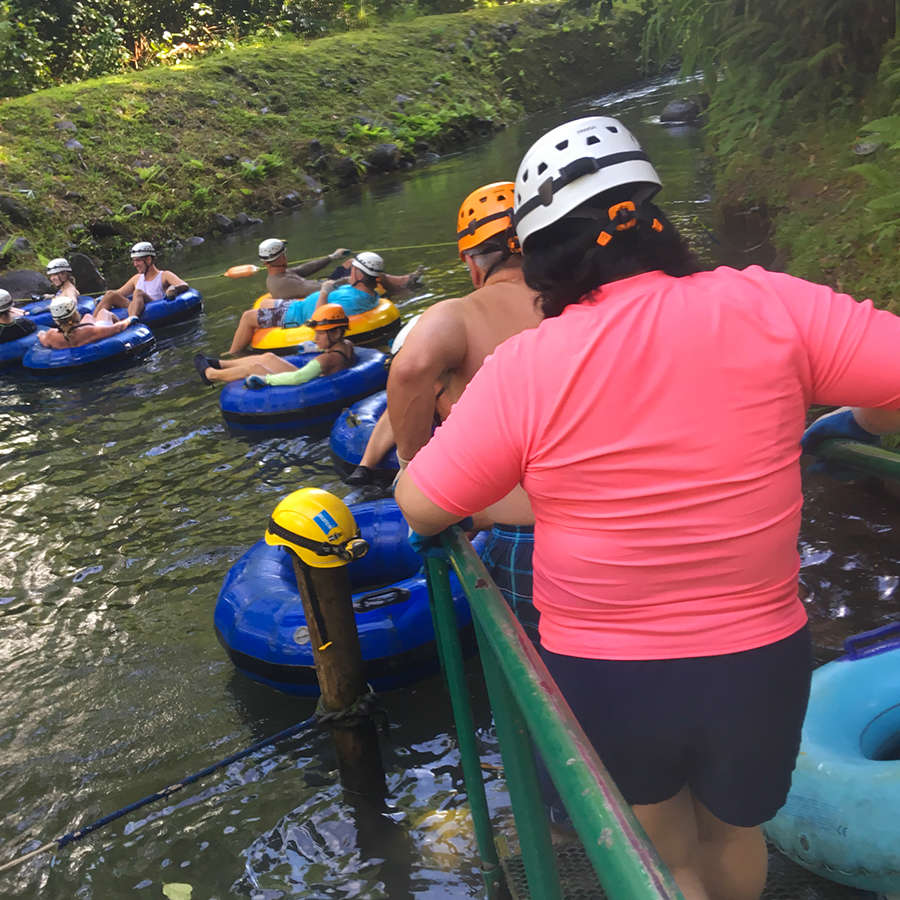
{"x":328,"y":608}
{"x":316,"y":527}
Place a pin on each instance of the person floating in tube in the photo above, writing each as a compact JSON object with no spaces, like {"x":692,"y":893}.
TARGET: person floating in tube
{"x":150,"y":283}
{"x":354,"y":285}
{"x":75,"y":330}
{"x":330,"y":323}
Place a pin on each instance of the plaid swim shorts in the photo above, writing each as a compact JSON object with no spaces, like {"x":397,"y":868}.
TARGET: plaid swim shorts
{"x":272,"y":316}
{"x":507,"y":557}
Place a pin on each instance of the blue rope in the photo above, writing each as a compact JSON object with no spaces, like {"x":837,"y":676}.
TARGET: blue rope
{"x":166,"y":792}
{"x":72,"y":836}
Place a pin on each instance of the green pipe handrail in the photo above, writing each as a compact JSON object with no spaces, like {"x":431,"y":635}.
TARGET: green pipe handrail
{"x":529,"y":710}
{"x":865,"y":458}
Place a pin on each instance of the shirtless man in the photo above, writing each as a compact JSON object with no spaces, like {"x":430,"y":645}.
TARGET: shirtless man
{"x":148,"y":284}
{"x":445,"y":350}
{"x":75,"y":330}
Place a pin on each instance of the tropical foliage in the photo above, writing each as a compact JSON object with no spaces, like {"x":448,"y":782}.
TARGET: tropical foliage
{"x":768,"y":63}
{"x":47,"y":42}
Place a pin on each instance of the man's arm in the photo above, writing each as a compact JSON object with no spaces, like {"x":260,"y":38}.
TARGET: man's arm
{"x":304,"y":270}
{"x":324,"y":291}
{"x":435,"y":346}
{"x":172,"y":284}
{"x":128,"y":287}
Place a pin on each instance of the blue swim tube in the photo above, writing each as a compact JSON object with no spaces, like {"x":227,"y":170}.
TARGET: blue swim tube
{"x":840,"y":818}
{"x":113,"y":352}
{"x":160,"y":313}
{"x":289,"y":408}
{"x":259,"y":616}
{"x":11,"y":352}
{"x":351,"y":432}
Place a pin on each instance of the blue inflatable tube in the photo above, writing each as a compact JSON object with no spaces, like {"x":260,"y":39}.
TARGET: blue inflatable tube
{"x":115,"y":351}
{"x":39,"y":310}
{"x":352,"y":430}
{"x":840,"y":818}
{"x":12,"y":352}
{"x":259,"y":617}
{"x":160,"y":313}
{"x":275,"y":410}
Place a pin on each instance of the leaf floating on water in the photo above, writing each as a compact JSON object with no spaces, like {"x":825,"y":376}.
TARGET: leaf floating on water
{"x":178,"y":891}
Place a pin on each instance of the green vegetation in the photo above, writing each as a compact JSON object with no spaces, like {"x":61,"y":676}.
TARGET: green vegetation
{"x":158,"y":153}
{"x":49,"y":42}
{"x":804,"y":122}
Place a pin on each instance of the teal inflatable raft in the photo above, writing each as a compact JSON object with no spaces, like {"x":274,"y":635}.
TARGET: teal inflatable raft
{"x":841,"y":816}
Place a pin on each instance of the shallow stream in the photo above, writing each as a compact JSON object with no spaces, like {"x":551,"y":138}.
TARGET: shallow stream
{"x":123,"y":502}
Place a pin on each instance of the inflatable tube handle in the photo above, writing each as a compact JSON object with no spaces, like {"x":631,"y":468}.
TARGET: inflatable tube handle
{"x":853,"y":650}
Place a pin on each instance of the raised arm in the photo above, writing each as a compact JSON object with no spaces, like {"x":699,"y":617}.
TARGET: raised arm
{"x":436,"y":345}
{"x":304,"y":270}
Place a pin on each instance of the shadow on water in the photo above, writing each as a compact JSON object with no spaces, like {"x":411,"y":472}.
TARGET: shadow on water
{"x":123,"y":502}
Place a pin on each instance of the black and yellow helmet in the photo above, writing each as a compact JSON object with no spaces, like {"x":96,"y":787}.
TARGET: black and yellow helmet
{"x":318,"y":527}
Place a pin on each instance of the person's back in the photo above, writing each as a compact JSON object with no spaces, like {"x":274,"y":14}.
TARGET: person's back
{"x":74,"y":330}
{"x":452,"y":338}
{"x":502,"y":307}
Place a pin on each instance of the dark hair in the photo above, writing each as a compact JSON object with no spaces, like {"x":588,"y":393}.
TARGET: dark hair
{"x":563,"y":261}
{"x":370,"y":281}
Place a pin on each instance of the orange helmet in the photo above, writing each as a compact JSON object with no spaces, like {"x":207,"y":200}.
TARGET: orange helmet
{"x":328,"y":316}
{"x":486,"y":212}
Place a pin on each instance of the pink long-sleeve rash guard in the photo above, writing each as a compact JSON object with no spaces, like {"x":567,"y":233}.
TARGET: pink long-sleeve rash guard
{"x":656,"y":427}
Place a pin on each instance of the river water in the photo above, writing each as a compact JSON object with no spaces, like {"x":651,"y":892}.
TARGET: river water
{"x":124,"y":501}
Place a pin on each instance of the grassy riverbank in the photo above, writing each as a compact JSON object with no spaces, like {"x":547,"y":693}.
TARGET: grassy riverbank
{"x":167,"y":153}
{"x":826,"y":186}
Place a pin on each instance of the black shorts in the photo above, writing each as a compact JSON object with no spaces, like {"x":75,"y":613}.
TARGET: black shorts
{"x":726,"y":726}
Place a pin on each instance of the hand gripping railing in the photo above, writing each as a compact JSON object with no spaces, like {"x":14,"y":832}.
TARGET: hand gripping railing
{"x":528,"y":707}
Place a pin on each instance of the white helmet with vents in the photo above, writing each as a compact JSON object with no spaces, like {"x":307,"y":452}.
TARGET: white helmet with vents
{"x":368,"y":262}
{"x":62,"y":307}
{"x":271,"y":248}
{"x":55,"y":266}
{"x":142,"y":249}
{"x":573,"y":163}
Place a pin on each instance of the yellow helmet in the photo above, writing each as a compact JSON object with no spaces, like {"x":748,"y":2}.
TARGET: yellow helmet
{"x":318,"y":527}
{"x":487,"y":212}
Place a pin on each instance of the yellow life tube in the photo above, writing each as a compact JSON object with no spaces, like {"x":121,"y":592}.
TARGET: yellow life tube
{"x":373,"y":324}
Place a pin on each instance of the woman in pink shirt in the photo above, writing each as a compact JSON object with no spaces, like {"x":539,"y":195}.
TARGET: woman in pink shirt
{"x":654,"y":418}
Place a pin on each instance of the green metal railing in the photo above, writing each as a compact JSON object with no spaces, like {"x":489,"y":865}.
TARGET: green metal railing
{"x":863,"y":457}
{"x":529,"y":710}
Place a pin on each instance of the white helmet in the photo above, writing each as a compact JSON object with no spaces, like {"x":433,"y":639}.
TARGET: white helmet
{"x":370,"y":263}
{"x":573,"y":163}
{"x":271,"y":248}
{"x":62,"y":307}
{"x":5,"y":300}
{"x":142,"y":249}
{"x":55,"y":266}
